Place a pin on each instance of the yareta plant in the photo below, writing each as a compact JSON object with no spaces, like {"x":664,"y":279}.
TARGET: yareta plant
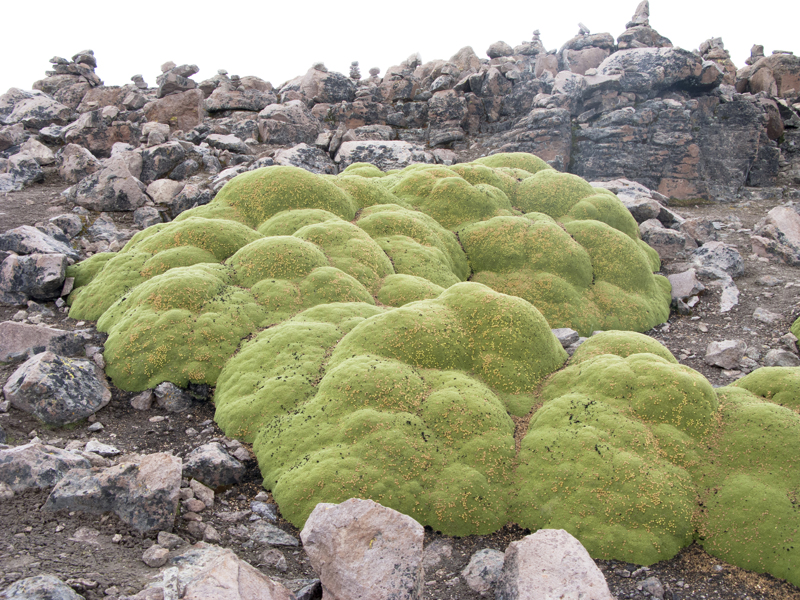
{"x":387,"y":335}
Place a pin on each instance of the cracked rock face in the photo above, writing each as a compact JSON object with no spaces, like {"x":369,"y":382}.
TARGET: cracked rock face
{"x":57,"y":389}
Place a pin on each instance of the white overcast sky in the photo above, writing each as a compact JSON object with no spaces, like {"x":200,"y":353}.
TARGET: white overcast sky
{"x":279,"y":40}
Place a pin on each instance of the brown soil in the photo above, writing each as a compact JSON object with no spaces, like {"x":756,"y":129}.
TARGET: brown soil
{"x":79,"y":547}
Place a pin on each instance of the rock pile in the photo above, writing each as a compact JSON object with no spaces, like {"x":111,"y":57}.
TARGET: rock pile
{"x":687,"y":124}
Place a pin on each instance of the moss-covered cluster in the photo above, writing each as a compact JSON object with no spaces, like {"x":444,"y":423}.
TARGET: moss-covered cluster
{"x":387,"y":335}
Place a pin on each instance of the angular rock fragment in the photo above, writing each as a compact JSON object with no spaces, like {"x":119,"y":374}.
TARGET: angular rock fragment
{"x":143,"y":493}
{"x":550,"y":563}
{"x":213,"y":466}
{"x":57,"y":389}
{"x":37,"y":465}
{"x":362,"y":549}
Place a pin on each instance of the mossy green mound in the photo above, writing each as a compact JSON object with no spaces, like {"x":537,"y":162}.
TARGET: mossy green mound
{"x":398,"y":290}
{"x":588,"y":276}
{"x":416,"y":244}
{"x":620,"y":343}
{"x":412,"y":410}
{"x":751,"y":482}
{"x":780,"y":385}
{"x":260,"y":194}
{"x":372,"y":335}
{"x":515,"y":160}
{"x":608,"y":456}
{"x":102,"y":281}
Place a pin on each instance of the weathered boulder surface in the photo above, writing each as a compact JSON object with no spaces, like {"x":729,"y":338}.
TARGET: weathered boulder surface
{"x":550,"y":564}
{"x":40,"y":587}
{"x":35,"y":276}
{"x":21,"y":338}
{"x":361,"y":549}
{"x":213,"y":466}
{"x":37,"y":466}
{"x":383,"y":154}
{"x":143,"y":492}
{"x":57,"y":389}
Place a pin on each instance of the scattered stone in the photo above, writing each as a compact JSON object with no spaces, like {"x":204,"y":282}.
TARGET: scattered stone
{"x":202,"y":493}
{"x":726,"y":354}
{"x":172,"y":398}
{"x":264,"y":533}
{"x":669,"y":244}
{"x":765,"y":316}
{"x":685,"y":285}
{"x":143,"y":401}
{"x":275,"y":559}
{"x":550,"y":564}
{"x":36,"y":465}
{"x":223,"y":575}
{"x":155,"y":556}
{"x":720,"y":256}
{"x":105,"y":450}
{"x":40,"y":587}
{"x":781,"y":358}
{"x":262,"y":509}
{"x":143,"y":493}
{"x":213,"y":466}
{"x":566,"y":336}
{"x":484,"y":570}
{"x":654,"y":587}
{"x":57,"y":390}
{"x":362,"y":549}
{"x":170,"y":541}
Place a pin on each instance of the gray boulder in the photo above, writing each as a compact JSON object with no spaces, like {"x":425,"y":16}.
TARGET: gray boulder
{"x":361,"y":549}
{"x":35,"y":110}
{"x":172,"y":398}
{"x":36,"y":276}
{"x":306,"y":157}
{"x":264,"y":533}
{"x":40,"y":587}
{"x":224,"y":98}
{"x":484,"y":570}
{"x":645,"y":70}
{"x":229,"y":142}
{"x":57,"y":390}
{"x":76,"y":162}
{"x":726,"y":354}
{"x":18,"y":171}
{"x":778,"y":234}
{"x":114,"y":188}
{"x":37,"y":466}
{"x":213,"y":466}
{"x":499,"y":49}
{"x":30,"y":240}
{"x":720,"y":256}
{"x":143,"y":493}
{"x":383,"y":154}
{"x":669,"y":244}
{"x":208,"y":572}
{"x":685,"y":285}
{"x":550,"y":564}
{"x":19,"y":339}
{"x":158,"y":161}
{"x":781,"y":358}
{"x":289,"y":123}
{"x":13,"y":135}
{"x":69,"y":223}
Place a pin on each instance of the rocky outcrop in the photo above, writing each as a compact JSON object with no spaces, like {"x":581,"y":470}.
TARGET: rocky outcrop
{"x":685,"y":123}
